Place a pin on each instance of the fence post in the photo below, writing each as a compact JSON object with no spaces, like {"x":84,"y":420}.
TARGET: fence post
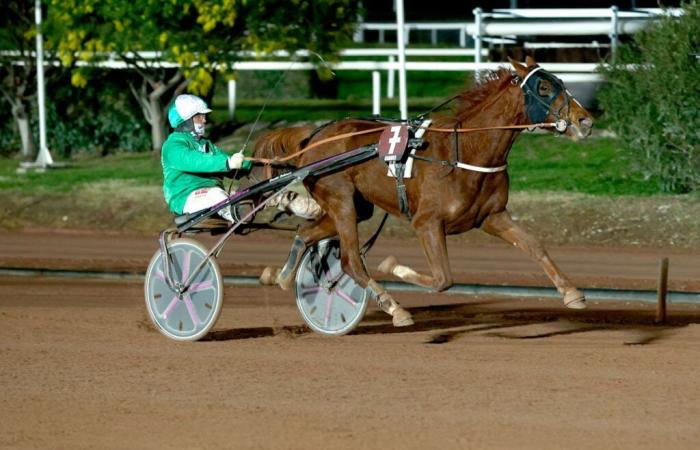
{"x":463,"y":37}
{"x":613,"y":32}
{"x":390,"y":75}
{"x":231,"y":98}
{"x":359,"y":35}
{"x":661,"y":292}
{"x":376,"y":93}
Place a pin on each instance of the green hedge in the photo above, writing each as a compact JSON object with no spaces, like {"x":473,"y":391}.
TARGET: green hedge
{"x":652,"y":100}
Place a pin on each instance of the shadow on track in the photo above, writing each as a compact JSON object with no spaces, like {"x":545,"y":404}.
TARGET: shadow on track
{"x":452,"y":321}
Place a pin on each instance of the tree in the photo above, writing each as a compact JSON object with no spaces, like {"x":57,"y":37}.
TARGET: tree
{"x":191,"y":41}
{"x":18,"y":68}
{"x":652,"y":99}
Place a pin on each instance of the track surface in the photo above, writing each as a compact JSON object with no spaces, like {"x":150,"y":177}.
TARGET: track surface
{"x":82,"y":367}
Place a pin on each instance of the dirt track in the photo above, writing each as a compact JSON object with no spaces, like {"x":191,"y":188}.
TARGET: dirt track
{"x":82,"y":367}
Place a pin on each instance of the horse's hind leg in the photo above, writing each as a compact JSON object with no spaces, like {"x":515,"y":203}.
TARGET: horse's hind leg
{"x":503,"y":226}
{"x":307,"y":236}
{"x":345,"y":217}
{"x":432,"y":238}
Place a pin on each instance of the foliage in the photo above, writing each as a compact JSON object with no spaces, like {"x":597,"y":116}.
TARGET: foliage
{"x":196,"y":39}
{"x":18,"y":73}
{"x":73,"y":127}
{"x":652,"y":100}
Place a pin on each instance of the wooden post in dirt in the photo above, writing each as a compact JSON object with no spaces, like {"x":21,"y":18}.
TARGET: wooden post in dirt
{"x":661,"y":292}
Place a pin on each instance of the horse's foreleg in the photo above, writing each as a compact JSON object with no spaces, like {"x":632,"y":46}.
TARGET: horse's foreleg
{"x":432,"y":238}
{"x":503,"y":226}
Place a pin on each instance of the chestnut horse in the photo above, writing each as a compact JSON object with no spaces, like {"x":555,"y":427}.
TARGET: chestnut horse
{"x":442,"y":198}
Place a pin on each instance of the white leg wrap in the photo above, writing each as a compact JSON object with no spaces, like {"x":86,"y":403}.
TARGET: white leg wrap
{"x":305,"y":207}
{"x":403,"y":271}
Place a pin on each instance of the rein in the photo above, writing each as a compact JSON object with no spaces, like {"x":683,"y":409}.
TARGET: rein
{"x":272,"y":161}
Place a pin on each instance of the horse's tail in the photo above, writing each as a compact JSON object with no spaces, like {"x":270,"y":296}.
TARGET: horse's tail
{"x":279,"y":144}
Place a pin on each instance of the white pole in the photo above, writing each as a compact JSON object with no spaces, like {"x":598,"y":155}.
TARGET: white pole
{"x":376,"y":93}
{"x":477,"y":38}
{"x":44,"y":158}
{"x":231,"y":98}
{"x":613,"y":32}
{"x":403,"y":106}
{"x":390,"y":76}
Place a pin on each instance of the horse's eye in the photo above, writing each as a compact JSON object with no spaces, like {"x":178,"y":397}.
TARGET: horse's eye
{"x":544,"y":88}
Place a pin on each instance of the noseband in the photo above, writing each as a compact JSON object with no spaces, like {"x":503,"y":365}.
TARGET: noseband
{"x":537,"y":107}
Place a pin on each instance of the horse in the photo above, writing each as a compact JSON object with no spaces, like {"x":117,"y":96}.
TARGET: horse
{"x":459,"y":181}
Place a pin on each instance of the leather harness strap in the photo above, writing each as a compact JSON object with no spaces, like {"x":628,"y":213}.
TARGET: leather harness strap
{"x":377,"y":129}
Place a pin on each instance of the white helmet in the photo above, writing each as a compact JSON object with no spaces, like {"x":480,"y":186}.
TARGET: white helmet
{"x":184,"y":108}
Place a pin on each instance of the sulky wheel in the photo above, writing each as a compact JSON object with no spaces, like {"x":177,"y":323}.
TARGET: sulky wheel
{"x":330,"y":302}
{"x":189,"y":314}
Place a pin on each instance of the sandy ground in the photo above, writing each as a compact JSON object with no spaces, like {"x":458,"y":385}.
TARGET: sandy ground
{"x":81,"y":366}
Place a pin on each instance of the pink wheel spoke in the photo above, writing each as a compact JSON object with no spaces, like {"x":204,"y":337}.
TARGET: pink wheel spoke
{"x":329,"y":303}
{"x":171,"y":306}
{"x":345,"y":297}
{"x":201,"y":286}
{"x":186,"y":266}
{"x":159,"y":275}
{"x":312,"y":290}
{"x":191,"y":310}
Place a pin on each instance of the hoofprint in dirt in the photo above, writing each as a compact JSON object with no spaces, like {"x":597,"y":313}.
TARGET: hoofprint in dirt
{"x":479,"y":260}
{"x":82,"y":368}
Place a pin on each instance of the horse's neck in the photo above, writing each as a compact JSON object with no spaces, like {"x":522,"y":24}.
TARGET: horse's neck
{"x":490,"y":148}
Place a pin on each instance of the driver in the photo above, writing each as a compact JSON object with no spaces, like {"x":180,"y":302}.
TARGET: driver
{"x":193,"y":166}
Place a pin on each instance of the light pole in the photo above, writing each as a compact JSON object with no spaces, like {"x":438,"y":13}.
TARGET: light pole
{"x":403,"y":104}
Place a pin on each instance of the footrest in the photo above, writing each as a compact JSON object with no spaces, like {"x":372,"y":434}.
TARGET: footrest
{"x":208,"y":224}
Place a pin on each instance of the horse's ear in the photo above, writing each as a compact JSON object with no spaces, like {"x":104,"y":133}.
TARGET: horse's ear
{"x":519,"y":68}
{"x":530,"y":61}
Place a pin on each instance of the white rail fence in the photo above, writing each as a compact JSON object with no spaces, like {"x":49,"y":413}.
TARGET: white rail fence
{"x":511,"y":23}
{"x":500,"y":25}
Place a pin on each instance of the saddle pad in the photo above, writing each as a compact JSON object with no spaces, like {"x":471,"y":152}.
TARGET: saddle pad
{"x":393,"y":143}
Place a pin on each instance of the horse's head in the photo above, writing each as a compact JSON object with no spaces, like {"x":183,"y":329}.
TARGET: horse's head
{"x":548,"y":100}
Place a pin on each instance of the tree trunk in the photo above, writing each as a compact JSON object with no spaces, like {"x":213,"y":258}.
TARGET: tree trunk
{"x":28,"y":151}
{"x":157,"y":124}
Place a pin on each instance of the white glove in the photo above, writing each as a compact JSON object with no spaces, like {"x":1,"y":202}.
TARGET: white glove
{"x":235,"y":161}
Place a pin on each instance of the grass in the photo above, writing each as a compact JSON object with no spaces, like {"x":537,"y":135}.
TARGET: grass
{"x":138,"y":169}
{"x":596,"y":166}
{"x":538,"y":162}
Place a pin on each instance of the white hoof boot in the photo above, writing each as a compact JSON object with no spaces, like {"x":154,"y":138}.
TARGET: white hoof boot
{"x":574,"y":299}
{"x":269,"y":276}
{"x":399,"y":316}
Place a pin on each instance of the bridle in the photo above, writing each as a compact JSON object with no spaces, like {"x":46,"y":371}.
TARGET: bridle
{"x":538,"y":108}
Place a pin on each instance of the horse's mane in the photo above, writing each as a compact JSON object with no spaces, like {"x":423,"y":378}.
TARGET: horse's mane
{"x":468,"y":103}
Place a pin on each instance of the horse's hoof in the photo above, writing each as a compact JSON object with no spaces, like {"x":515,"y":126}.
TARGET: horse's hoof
{"x":575,"y":299}
{"x":401,"y":318}
{"x":269,"y":276}
{"x":387,"y":266}
{"x":285,"y":283}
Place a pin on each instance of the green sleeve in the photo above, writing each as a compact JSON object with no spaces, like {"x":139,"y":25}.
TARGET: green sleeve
{"x":185,"y":157}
